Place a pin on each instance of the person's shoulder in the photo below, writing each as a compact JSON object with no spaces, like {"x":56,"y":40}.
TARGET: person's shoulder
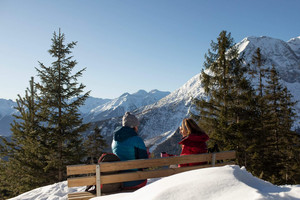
{"x":138,"y":139}
{"x":123,"y":133}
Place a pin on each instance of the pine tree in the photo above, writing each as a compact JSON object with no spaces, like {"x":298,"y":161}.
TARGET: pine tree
{"x":258,"y":62}
{"x":227,"y":112}
{"x":282,"y":144}
{"x":60,"y":98}
{"x":46,"y":133}
{"x":274,"y":151}
{"x":290,"y":174}
{"x":24,"y":169}
{"x":257,"y":146}
{"x":94,"y":145}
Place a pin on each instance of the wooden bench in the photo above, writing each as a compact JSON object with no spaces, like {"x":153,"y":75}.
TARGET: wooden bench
{"x":154,"y":170}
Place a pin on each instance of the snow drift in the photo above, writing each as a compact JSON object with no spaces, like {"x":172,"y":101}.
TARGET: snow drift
{"x":228,"y":182}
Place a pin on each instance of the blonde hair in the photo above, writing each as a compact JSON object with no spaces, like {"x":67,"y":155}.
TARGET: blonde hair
{"x":190,"y":126}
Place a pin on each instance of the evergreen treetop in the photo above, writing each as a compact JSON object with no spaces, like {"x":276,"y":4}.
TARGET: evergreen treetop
{"x":223,"y":113}
{"x":60,"y":96}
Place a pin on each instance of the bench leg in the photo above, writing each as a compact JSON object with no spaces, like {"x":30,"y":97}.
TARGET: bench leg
{"x":98,"y":182}
{"x":213,"y":162}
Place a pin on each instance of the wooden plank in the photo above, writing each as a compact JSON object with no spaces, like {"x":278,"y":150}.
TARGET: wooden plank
{"x":81,"y":181}
{"x":145,"y":163}
{"x":226,"y":155}
{"x":80,"y":169}
{"x":81,"y":196}
{"x":140,"y":175}
{"x":157,"y":162}
{"x":78,"y":194}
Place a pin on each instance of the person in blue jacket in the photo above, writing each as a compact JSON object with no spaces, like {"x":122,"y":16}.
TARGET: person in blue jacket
{"x":127,"y":145}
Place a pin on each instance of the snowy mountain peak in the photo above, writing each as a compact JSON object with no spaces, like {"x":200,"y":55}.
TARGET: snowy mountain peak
{"x":125,"y":94}
{"x":268,"y":46}
{"x":276,"y":52}
{"x":126,"y":102}
{"x":294,"y":43}
{"x":285,"y":56}
{"x":140,"y":93}
{"x":190,"y":89}
{"x":91,"y":103}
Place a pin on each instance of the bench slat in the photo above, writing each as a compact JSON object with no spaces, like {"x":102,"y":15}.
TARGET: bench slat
{"x":145,"y":163}
{"x":80,"y":169}
{"x":81,"y":196}
{"x":225,"y":155}
{"x":141,"y":175}
{"x":81,"y":181}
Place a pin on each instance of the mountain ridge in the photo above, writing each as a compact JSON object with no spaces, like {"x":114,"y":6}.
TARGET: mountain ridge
{"x":89,"y":109}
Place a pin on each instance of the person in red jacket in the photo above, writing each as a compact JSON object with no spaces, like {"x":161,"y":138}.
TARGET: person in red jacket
{"x":193,"y":141}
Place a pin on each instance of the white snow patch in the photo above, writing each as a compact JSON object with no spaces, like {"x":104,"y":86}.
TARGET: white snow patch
{"x":216,"y":183}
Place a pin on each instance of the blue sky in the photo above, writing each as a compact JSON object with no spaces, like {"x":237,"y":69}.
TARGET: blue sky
{"x":128,"y":45}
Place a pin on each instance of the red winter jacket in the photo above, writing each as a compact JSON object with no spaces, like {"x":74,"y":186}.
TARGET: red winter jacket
{"x":193,"y":144}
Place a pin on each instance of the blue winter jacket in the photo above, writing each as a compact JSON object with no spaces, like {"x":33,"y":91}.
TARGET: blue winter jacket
{"x":127,"y":145}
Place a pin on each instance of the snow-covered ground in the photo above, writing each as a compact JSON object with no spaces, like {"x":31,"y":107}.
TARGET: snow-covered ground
{"x":228,"y":182}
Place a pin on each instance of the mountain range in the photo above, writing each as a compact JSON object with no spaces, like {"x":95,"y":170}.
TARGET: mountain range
{"x":160,"y":113}
{"x":118,"y":106}
{"x":94,"y":109}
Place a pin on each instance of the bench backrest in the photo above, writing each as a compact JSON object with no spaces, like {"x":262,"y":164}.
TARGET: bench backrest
{"x":93,"y":172}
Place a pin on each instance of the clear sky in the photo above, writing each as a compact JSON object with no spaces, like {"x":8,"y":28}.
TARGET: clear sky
{"x":127,"y":45}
